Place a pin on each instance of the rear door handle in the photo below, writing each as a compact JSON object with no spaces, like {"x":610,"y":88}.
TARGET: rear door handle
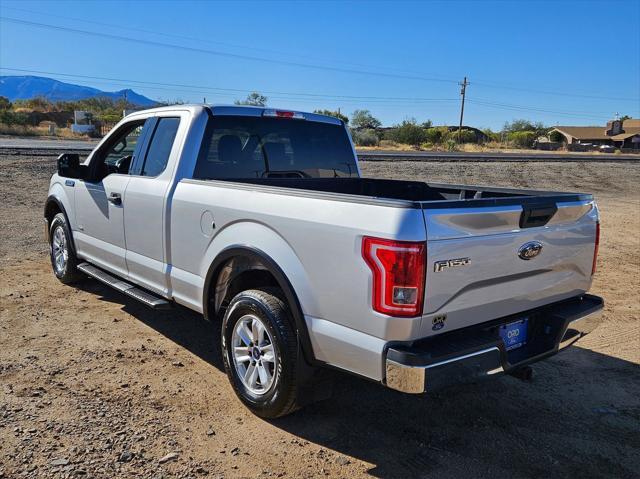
{"x":115,"y":199}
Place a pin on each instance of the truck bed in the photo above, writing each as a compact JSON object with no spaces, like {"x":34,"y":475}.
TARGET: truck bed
{"x":482,"y":228}
{"x":417,"y":193}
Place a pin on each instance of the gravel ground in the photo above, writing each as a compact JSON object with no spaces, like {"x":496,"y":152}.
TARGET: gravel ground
{"x":93,"y":384}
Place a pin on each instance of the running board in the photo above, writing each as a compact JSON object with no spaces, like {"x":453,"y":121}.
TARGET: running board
{"x":149,"y":299}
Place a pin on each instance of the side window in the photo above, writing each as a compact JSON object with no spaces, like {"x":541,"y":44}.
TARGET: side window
{"x":117,"y":155}
{"x":160,"y":146}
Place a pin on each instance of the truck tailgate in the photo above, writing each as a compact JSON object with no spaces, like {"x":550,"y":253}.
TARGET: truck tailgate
{"x":476,"y":270}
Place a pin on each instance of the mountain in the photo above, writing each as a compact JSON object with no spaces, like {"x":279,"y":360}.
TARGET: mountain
{"x":26,"y":87}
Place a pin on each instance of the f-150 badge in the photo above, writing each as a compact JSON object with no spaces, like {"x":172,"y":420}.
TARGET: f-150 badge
{"x":439,"y":266}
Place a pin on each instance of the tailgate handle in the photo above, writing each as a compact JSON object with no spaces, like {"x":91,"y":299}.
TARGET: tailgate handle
{"x":540,"y":215}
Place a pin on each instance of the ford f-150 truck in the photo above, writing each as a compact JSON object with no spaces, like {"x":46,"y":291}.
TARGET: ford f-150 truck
{"x":259,"y":219}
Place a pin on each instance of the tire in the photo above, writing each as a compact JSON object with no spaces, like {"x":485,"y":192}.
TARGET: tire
{"x":63,"y":259}
{"x":272,"y":391}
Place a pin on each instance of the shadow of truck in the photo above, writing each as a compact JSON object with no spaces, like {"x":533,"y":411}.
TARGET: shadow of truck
{"x":579,"y":416}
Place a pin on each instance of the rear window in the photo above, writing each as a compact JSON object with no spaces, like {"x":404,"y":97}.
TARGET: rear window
{"x":258,"y":147}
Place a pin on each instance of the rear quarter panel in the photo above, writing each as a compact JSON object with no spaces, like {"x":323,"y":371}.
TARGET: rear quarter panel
{"x":317,"y":244}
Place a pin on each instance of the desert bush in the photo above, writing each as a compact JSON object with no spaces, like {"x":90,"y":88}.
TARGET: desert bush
{"x":525,"y":125}
{"x":491,"y":135}
{"x":464,"y":136}
{"x":16,"y":130}
{"x":5,"y":104}
{"x":389,"y":135}
{"x":9,"y":117}
{"x":409,"y":133}
{"x":365,"y":137}
{"x":522,"y":139}
{"x":436,"y":135}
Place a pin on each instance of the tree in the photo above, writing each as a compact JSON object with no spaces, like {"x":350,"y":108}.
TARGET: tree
{"x":625,"y":117}
{"x":525,"y":125}
{"x":427,"y":124}
{"x":335,"y":114}
{"x":363,"y":119}
{"x":253,"y":99}
{"x":5,"y":104}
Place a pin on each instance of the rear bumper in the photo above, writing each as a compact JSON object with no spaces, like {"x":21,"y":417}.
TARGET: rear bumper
{"x":477,"y":352}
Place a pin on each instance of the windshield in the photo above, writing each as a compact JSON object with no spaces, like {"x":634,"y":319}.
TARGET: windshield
{"x":259,"y":147}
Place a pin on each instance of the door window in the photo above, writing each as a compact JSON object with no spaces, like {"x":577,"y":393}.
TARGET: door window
{"x":117,"y":155}
{"x":160,"y":146}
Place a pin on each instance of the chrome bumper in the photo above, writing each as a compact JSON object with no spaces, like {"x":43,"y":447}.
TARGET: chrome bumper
{"x":580,"y":327}
{"x":416,"y":370}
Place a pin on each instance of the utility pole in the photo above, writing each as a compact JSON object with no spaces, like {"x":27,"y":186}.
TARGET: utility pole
{"x":463,"y":91}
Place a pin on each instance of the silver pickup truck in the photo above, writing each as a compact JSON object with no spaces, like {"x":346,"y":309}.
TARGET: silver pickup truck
{"x":259,"y":219}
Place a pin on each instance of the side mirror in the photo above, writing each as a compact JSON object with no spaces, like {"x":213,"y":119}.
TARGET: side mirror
{"x":69,"y":166}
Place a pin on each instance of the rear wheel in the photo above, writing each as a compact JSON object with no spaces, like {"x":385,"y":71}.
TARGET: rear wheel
{"x":260,"y":353}
{"x":63,"y":260}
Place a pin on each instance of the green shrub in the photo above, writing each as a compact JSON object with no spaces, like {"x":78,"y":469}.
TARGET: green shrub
{"x":464,"y":136}
{"x":522,"y":139}
{"x":5,"y":104}
{"x":436,"y":135}
{"x":365,"y":137}
{"x":9,"y":117}
{"x":409,"y":133}
{"x":451,"y":145}
{"x":389,"y":134}
{"x":491,"y":135}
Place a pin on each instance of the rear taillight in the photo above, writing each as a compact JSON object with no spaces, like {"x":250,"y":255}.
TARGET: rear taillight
{"x":398,"y":275}
{"x":595,"y":249}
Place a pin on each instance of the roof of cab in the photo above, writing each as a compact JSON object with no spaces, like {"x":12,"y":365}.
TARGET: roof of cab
{"x":240,"y":110}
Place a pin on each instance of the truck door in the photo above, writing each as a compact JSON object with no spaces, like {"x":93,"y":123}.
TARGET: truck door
{"x":99,"y":201}
{"x":146,"y":200}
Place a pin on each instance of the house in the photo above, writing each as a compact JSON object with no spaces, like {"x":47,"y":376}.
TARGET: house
{"x":623,"y":134}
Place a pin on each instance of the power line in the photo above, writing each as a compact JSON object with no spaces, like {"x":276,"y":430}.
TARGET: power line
{"x":577,"y":112}
{"x":212,"y":42}
{"x":412,"y":74}
{"x":217,"y":52}
{"x":285,"y":62}
{"x":534,"y":109}
{"x":235,"y":90}
{"x":306,"y":97}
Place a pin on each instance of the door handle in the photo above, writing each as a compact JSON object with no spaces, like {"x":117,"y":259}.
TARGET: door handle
{"x":115,"y":198}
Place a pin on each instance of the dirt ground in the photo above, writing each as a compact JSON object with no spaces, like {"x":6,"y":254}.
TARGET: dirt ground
{"x":94,"y":384}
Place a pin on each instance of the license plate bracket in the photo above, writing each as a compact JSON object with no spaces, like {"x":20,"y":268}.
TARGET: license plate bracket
{"x":514,"y":334}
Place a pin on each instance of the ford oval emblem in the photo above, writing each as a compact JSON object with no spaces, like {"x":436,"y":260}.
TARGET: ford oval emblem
{"x":530,"y":250}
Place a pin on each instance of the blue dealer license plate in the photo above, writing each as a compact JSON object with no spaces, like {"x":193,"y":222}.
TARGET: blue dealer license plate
{"x":514,"y":334}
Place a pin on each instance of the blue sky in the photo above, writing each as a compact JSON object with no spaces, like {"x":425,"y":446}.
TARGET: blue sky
{"x":556,"y":62}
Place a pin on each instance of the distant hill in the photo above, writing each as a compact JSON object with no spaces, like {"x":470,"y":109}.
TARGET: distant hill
{"x":26,"y":87}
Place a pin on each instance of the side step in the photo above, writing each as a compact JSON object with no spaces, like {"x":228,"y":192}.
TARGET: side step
{"x":149,"y":299}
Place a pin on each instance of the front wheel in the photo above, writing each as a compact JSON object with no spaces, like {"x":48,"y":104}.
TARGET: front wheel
{"x":63,"y":260}
{"x":260,"y":353}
